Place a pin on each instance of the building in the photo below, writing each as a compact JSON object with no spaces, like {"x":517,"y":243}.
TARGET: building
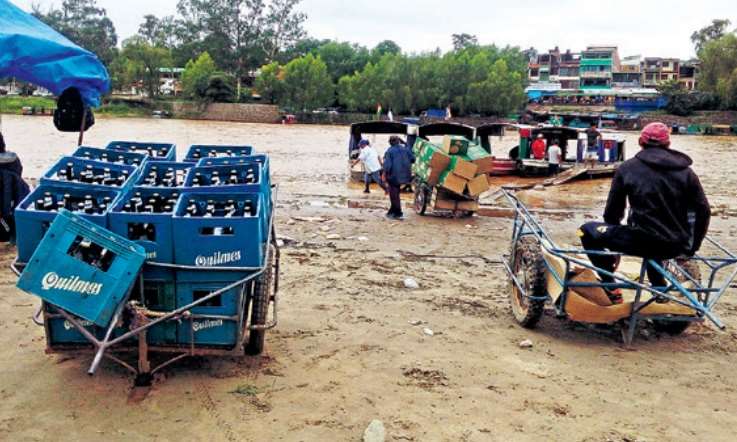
{"x":656,"y":70}
{"x":688,"y":73}
{"x":597,"y":65}
{"x":555,"y":70}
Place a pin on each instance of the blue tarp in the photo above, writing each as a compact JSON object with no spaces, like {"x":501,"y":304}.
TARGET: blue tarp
{"x":31,"y":51}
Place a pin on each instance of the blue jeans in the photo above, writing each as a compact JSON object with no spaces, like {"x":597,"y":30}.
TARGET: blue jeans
{"x":376,"y":178}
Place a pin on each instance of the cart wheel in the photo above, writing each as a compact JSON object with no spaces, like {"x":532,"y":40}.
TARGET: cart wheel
{"x":675,"y":328}
{"x":422,"y":196}
{"x":529,"y":269}
{"x":261,"y":299}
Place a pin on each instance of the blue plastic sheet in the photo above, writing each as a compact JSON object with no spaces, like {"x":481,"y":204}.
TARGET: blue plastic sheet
{"x":32,"y":51}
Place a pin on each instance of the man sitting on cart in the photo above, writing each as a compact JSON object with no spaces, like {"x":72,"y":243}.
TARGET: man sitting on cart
{"x":663,"y":193}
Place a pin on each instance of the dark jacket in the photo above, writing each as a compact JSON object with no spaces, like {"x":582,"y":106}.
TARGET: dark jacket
{"x":662,"y":191}
{"x":398,"y":161}
{"x":13,"y":191}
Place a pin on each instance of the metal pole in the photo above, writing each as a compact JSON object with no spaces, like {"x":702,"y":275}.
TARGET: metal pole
{"x":82,"y":127}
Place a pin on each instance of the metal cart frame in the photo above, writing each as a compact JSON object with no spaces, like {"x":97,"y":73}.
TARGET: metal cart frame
{"x":143,"y":319}
{"x":701,"y":298}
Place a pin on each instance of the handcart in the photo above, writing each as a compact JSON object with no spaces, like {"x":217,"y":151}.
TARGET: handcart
{"x":126,"y":334}
{"x":436,"y":201}
{"x":541,"y":272}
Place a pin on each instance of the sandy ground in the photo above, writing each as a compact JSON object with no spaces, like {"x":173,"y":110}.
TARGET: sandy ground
{"x":351,"y":345}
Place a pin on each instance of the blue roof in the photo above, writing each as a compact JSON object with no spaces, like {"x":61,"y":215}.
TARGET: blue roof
{"x":32,"y":51}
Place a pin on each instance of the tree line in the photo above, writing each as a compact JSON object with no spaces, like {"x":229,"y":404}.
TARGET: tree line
{"x":222,"y":42}
{"x":716,"y":48}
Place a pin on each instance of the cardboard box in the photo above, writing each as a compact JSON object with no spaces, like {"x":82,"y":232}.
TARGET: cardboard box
{"x":450,"y":181}
{"x":455,"y":145}
{"x":478,"y":156}
{"x":462,"y":168}
{"x":441,"y":204}
{"x":471,"y":206}
{"x":478,"y":185}
{"x":430,"y":163}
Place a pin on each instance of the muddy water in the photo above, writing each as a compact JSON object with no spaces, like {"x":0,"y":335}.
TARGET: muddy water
{"x":309,"y":161}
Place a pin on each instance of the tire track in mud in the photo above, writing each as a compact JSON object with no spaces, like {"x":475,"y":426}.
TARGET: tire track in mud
{"x":212,"y":409}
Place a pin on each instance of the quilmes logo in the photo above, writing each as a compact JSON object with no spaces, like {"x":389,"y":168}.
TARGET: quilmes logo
{"x":68,"y":325}
{"x":218,"y":259}
{"x":204,"y":325}
{"x":71,"y":284}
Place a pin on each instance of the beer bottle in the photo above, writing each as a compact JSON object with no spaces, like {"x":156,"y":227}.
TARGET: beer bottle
{"x":70,"y":171}
{"x":233,"y":176}
{"x":215,"y":179}
{"x":62,"y":175}
{"x":39,"y":205}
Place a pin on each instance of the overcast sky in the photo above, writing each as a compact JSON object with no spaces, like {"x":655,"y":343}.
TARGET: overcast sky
{"x":645,"y":27}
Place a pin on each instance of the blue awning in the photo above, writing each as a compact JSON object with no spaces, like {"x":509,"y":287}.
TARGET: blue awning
{"x":32,"y":51}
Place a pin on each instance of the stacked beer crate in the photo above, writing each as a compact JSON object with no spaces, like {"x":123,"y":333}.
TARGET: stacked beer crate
{"x":203,"y":223}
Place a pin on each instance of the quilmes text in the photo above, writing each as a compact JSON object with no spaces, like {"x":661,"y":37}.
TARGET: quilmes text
{"x":70,"y":284}
{"x":217,"y":259}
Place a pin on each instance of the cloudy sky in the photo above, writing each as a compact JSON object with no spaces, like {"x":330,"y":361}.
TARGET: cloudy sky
{"x":645,"y":27}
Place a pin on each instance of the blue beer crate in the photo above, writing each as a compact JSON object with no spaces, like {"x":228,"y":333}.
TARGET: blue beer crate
{"x":107,"y":156}
{"x":160,"y":168}
{"x":31,"y":224}
{"x":155,"y":151}
{"x":61,"y":332}
{"x":159,"y":296}
{"x":98,"y":168}
{"x":205,"y":174}
{"x":82,"y":268}
{"x":152,"y":231}
{"x":199,"y":151}
{"x":263,"y":159}
{"x":218,"y":240}
{"x":218,"y":330}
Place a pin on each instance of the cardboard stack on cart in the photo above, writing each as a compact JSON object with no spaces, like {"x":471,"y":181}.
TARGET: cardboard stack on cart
{"x":458,"y":169}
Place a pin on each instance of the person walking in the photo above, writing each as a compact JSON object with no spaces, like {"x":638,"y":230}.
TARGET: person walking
{"x":669,"y":213}
{"x":371,"y":165}
{"x":398,"y":161}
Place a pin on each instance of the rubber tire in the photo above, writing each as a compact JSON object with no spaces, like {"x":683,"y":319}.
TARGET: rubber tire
{"x":675,"y":328}
{"x":422,"y":195}
{"x":261,"y":299}
{"x":530,"y":264}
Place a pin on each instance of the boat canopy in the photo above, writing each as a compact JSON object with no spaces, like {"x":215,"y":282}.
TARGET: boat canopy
{"x":486,"y":131}
{"x":33,"y":52}
{"x":378,"y":127}
{"x":559,"y":133}
{"x":433,"y":129}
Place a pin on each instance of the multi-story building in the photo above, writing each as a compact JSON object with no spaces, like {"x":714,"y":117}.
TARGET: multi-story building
{"x":598,"y":63}
{"x":688,"y":72}
{"x":628,"y":75}
{"x":554,"y":69}
{"x":656,"y":70}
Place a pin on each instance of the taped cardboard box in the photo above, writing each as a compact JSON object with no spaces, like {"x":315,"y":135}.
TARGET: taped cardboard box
{"x":455,"y":145}
{"x":478,"y":185}
{"x":450,"y":204}
{"x":452,"y":182}
{"x":431,"y":162}
{"x":478,"y":156}
{"x":462,"y":168}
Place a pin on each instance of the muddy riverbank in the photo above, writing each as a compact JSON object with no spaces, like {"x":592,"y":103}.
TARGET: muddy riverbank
{"x":351,"y":345}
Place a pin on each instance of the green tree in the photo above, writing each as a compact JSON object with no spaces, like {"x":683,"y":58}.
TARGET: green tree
{"x":84,"y":23}
{"x":714,"y":31}
{"x":220,"y":89}
{"x":679,"y":101}
{"x":463,"y":41}
{"x":196,"y":76}
{"x":383,"y":48}
{"x":342,"y":58}
{"x":307,"y":84}
{"x":144,"y":62}
{"x":500,"y":93}
{"x":719,"y":70}
{"x":269,"y":82}
{"x":240,"y":35}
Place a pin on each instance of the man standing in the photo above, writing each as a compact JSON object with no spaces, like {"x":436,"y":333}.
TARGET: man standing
{"x":555,"y":155}
{"x":371,"y":165}
{"x":538,"y":148}
{"x":669,"y":214}
{"x":397,"y":171}
{"x":592,"y":146}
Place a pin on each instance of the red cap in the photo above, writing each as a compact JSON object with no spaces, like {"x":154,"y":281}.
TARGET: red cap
{"x":655,"y":134}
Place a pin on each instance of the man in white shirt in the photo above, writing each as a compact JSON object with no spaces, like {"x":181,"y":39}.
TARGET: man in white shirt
{"x":555,"y":155}
{"x":371,"y":164}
